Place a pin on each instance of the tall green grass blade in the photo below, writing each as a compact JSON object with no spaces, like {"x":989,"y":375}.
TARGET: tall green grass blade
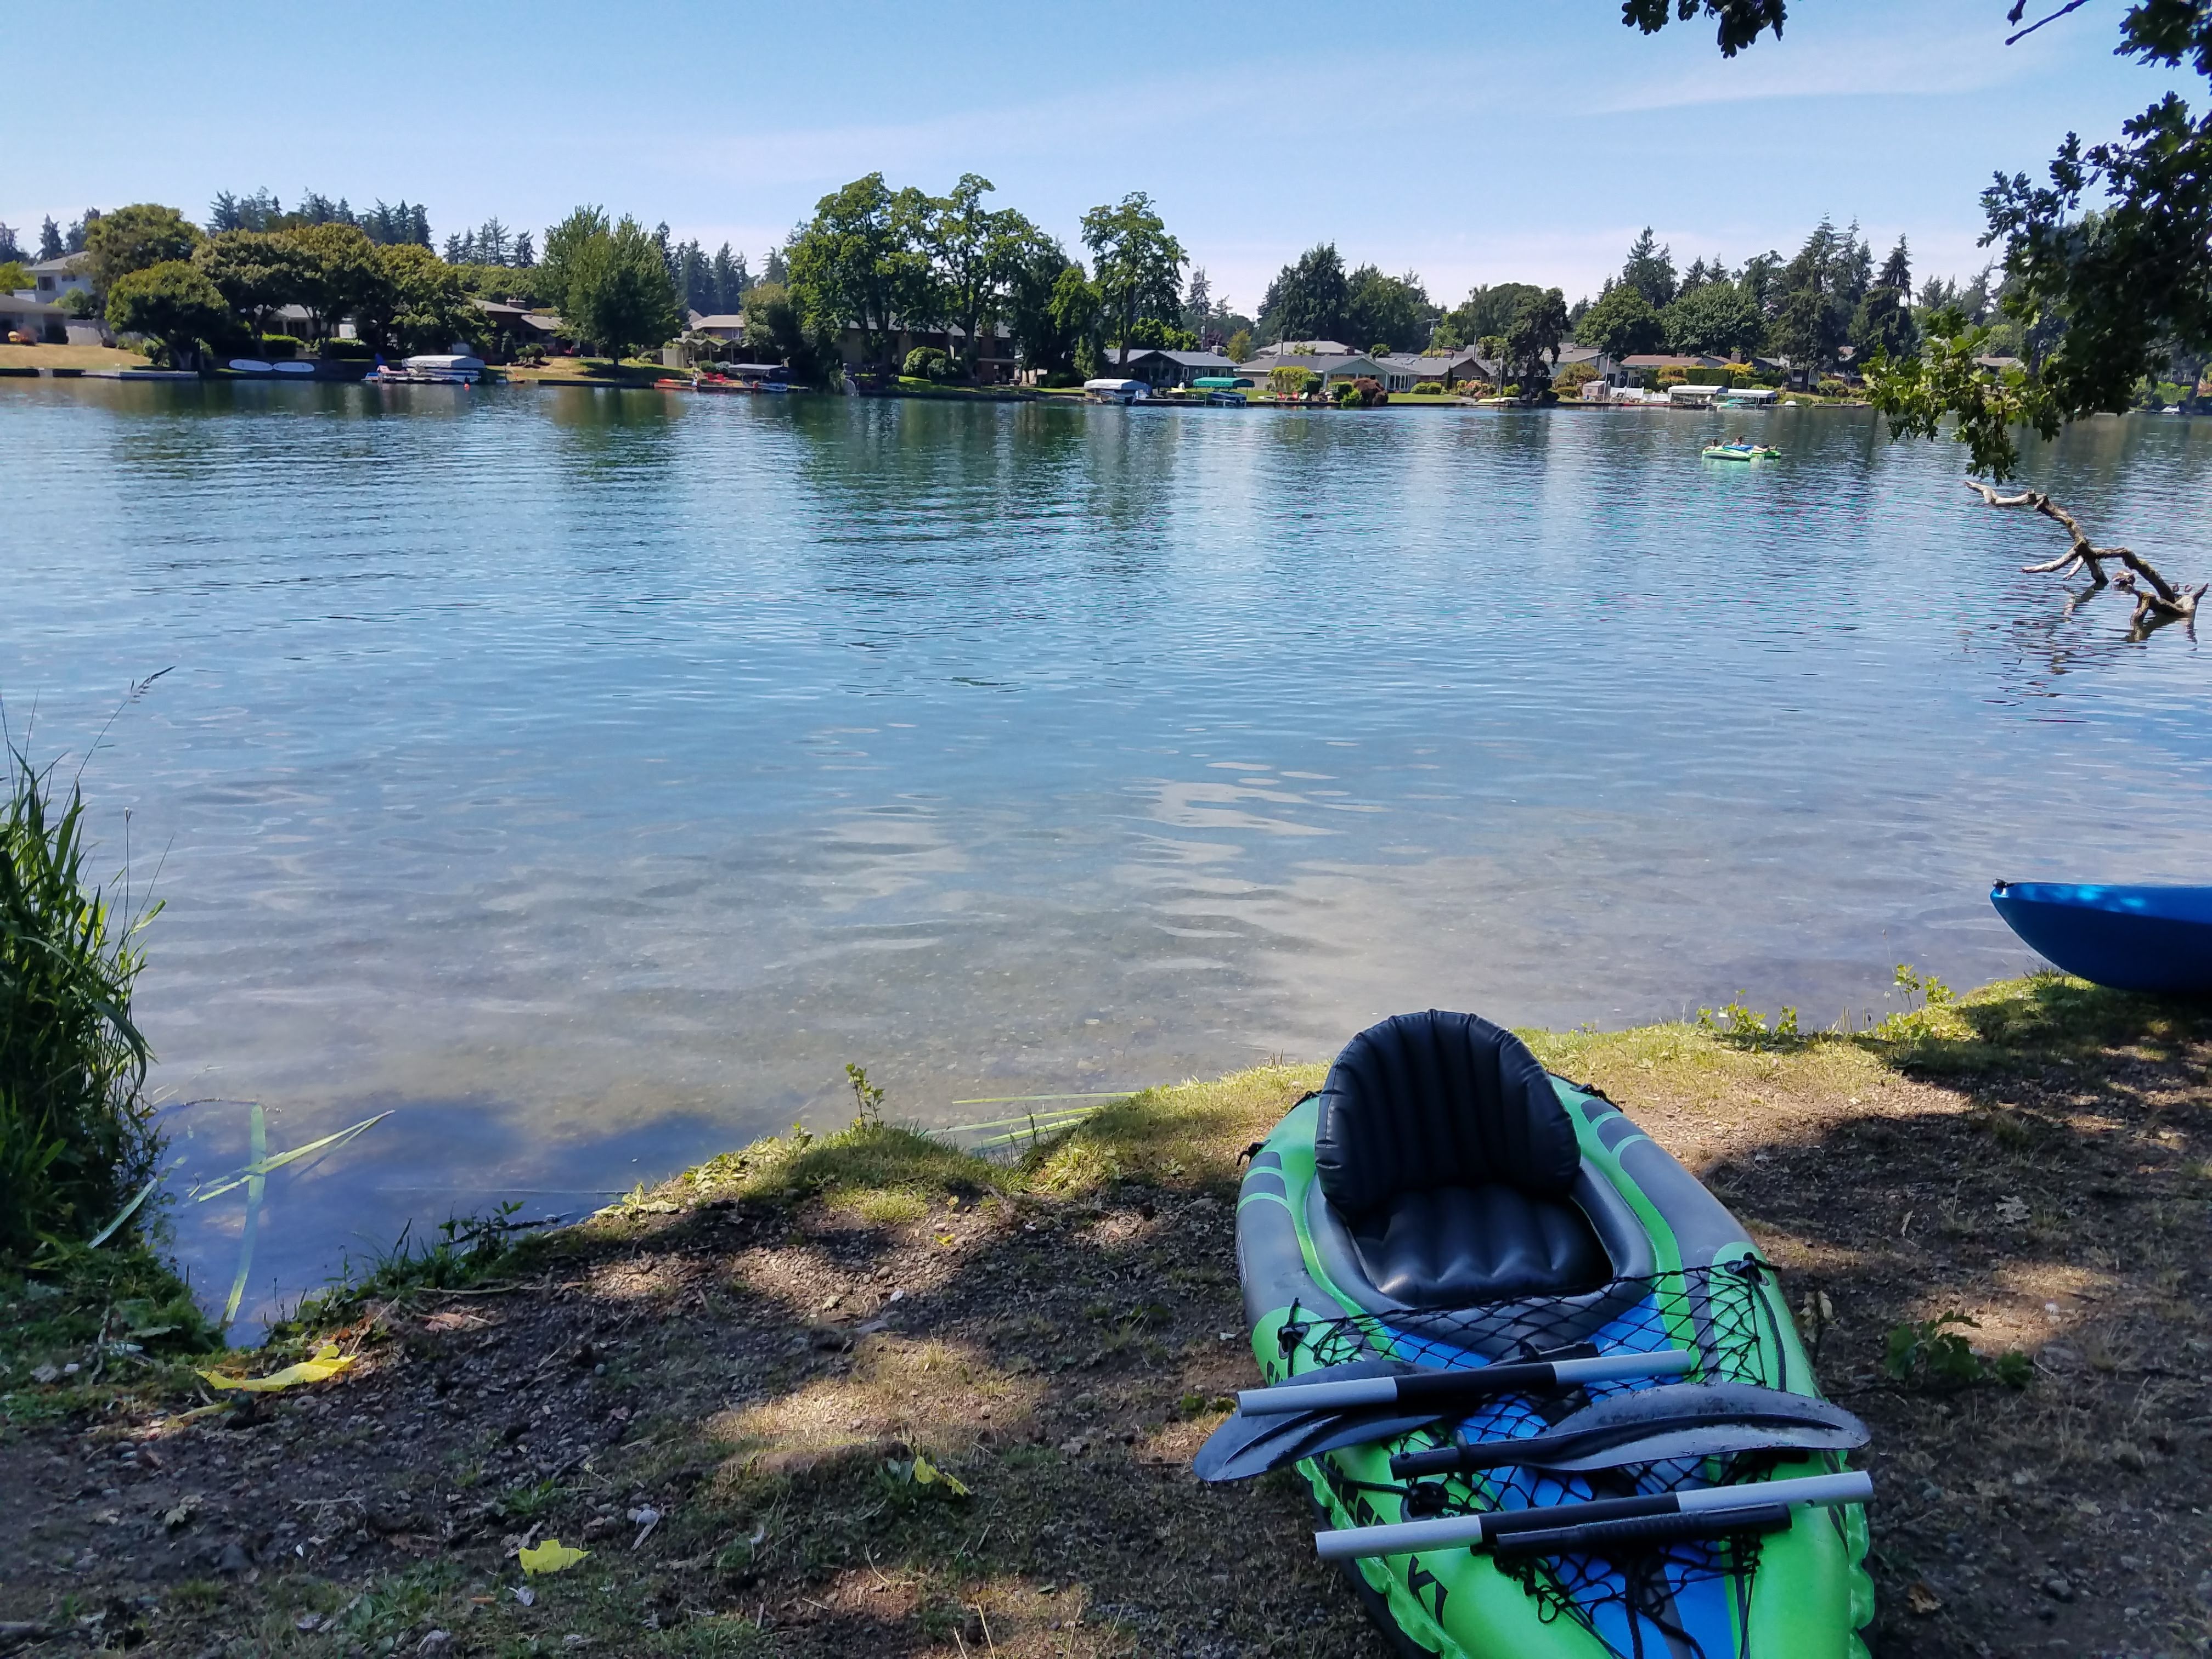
{"x":262,"y":1166}
{"x":77,"y":1138}
{"x":1016,"y":1100}
{"x":129,"y":1210}
{"x":1069,"y":1113}
{"x":257,"y":1143}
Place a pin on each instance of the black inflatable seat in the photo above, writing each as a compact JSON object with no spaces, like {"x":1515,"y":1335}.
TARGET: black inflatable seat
{"x":1449,"y":1160}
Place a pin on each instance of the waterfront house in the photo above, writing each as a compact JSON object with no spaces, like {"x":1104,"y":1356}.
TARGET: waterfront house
{"x":1331,"y":366}
{"x":720,"y":325}
{"x":37,"y":320}
{"x":995,"y":362}
{"x":51,"y":280}
{"x":1306,"y":349}
{"x":1157,"y":367}
{"x":519,"y":325}
{"x":1404,"y":370}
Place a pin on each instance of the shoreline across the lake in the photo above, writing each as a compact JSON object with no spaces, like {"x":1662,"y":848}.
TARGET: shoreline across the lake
{"x":866,"y":1391}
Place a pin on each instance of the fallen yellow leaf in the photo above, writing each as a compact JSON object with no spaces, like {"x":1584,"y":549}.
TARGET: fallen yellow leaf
{"x":552,"y":1556}
{"x":327,"y":1363}
{"x":926,"y":1473}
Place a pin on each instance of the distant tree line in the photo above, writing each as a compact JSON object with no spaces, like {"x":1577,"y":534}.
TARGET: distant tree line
{"x":385,"y":224}
{"x":1807,"y":308}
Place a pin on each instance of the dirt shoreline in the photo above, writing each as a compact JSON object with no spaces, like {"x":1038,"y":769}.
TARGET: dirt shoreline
{"x":727,"y":1389}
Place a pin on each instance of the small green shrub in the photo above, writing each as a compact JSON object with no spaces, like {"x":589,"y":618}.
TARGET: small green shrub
{"x":351,"y":351}
{"x":1344,"y":394}
{"x":76,"y":1132}
{"x":274,"y":346}
{"x":1933,"y":1354}
{"x":1429,"y":388}
{"x":1746,"y":1028}
{"x":1061,"y":379}
{"x":928,"y":363}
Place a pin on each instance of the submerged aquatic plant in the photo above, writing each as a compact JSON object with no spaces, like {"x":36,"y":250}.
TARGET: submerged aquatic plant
{"x":76,"y":1132}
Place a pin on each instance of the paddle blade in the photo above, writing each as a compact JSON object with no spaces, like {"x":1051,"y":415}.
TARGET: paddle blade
{"x":1245,"y":1446}
{"x":1713,"y":1440}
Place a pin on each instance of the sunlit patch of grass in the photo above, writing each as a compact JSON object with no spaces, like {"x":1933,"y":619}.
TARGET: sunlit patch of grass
{"x":1683,"y":1064}
{"x":887,"y":1206}
{"x":866,"y":1157}
{"x":1184,"y":1134}
{"x":939,"y":1397}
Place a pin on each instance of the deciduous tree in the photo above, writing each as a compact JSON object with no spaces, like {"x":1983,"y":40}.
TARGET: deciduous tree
{"x":619,"y":292}
{"x":1622,"y":324}
{"x":256,"y":272}
{"x":174,"y":302}
{"x":1394,"y":312}
{"x":1532,"y":344}
{"x":1715,"y":318}
{"x":1136,"y":265}
{"x":431,"y":309}
{"x":344,"y":275}
{"x":135,"y":238}
{"x":853,"y":262}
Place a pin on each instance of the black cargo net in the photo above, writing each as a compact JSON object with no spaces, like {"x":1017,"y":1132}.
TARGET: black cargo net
{"x":1641,"y":1600}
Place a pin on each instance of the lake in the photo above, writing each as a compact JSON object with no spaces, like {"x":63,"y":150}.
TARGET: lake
{"x":586,"y":777}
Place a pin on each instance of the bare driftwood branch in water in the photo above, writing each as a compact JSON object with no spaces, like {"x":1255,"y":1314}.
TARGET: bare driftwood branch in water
{"x":2159,"y":602}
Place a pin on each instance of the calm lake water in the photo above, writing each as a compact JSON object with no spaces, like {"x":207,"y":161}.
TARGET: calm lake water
{"x":585,"y":778}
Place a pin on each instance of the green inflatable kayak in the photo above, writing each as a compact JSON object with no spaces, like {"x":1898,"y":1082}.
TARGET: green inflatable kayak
{"x":1547,"y":1398}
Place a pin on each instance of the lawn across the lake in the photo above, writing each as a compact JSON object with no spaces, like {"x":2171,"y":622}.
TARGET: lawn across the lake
{"x":865,"y":1393}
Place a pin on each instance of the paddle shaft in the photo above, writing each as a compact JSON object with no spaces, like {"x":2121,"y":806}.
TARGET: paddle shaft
{"x":1443,"y":1388}
{"x":1479,"y":1531}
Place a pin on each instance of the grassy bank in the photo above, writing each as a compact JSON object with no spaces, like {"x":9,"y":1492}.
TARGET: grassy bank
{"x":733,"y":1389}
{"x":67,"y":356}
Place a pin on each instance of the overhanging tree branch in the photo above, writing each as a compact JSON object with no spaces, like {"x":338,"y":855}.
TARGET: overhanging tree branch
{"x":2161,"y":602}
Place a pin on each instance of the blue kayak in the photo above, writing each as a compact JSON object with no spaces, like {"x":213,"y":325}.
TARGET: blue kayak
{"x":2132,"y":938}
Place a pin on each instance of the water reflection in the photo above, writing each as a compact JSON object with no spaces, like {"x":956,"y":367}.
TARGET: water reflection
{"x":586,"y":776}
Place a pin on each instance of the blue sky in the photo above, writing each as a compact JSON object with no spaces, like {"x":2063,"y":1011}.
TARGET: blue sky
{"x":1469,"y":140}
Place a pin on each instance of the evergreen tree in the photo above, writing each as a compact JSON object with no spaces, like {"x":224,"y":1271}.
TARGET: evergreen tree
{"x":526,"y":255}
{"x":1650,"y":270}
{"x":730,"y":280}
{"x":1308,"y":300}
{"x":493,"y":242}
{"x":695,"y":279}
{"x":50,"y":239}
{"x":78,"y":231}
{"x":1884,"y":318}
{"x":777,"y":270}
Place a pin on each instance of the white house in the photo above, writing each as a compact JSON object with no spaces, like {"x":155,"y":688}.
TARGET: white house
{"x":52,"y":279}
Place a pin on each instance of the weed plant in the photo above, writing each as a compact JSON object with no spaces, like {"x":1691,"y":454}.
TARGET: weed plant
{"x":76,"y":1132}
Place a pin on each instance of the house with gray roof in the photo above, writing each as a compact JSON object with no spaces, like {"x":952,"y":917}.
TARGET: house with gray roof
{"x":1157,"y":366}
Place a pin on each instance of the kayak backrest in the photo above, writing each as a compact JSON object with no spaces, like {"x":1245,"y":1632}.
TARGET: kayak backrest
{"x":1439,"y":1099}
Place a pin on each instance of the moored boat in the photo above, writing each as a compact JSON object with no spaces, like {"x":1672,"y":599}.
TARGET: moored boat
{"x":1444,"y":1208}
{"x":1741,"y":452}
{"x":1112,"y":390}
{"x":434,"y":368}
{"x":2132,"y":938}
